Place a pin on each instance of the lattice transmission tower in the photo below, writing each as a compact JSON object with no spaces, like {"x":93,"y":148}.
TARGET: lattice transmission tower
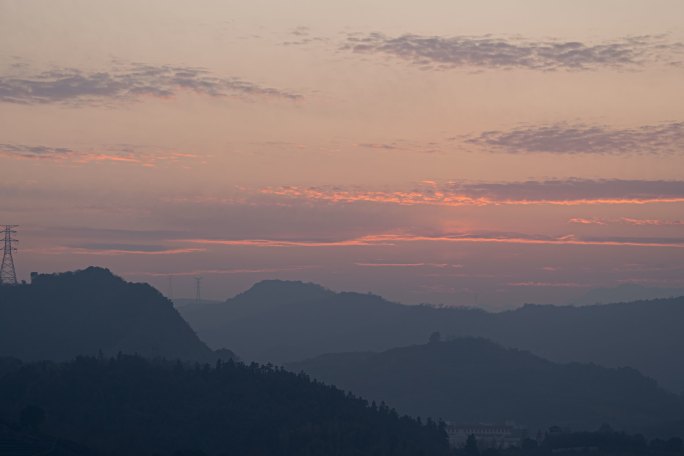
{"x":8,"y":276}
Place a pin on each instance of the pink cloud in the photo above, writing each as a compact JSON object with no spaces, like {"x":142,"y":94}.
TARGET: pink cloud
{"x":571,"y":192}
{"x":111,"y":252}
{"x":625,"y":221}
{"x":393,"y":239}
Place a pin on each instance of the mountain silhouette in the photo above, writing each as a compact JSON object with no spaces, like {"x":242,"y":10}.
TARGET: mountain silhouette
{"x":91,"y":311}
{"x":474,"y":380}
{"x":280,"y":321}
{"x":277,"y":321}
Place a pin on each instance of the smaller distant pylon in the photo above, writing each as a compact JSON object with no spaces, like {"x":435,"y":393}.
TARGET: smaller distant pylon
{"x":8,"y":275}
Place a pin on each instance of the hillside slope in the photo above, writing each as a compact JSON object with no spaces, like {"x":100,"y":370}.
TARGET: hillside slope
{"x":288,"y":321}
{"x":59,"y":316}
{"x":475,"y":380}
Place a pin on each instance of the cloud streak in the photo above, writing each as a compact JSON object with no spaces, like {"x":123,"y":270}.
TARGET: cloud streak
{"x":488,"y":238}
{"x":230,"y":271}
{"x":123,"y":153}
{"x":35,"y":152}
{"x":625,"y":221}
{"x":549,"y":284}
{"x":115,"y":250}
{"x":570,"y":192}
{"x":129,"y":83}
{"x":440,"y":52}
{"x":408,"y":265}
{"x":564,"y":139}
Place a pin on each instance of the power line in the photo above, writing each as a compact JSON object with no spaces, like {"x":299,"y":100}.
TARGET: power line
{"x":8,"y":275}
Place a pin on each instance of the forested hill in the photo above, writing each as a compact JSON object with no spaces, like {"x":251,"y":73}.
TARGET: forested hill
{"x":297,"y":320}
{"x":474,"y":380}
{"x":59,"y":316}
{"x":131,"y":406}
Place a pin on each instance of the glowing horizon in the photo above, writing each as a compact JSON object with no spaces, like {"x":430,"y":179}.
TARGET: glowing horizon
{"x":357,"y":144}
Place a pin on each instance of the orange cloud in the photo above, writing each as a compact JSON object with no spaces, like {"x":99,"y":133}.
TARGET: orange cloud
{"x":279,"y":243}
{"x":124,"y":153}
{"x":393,"y":239}
{"x":444,"y":198}
{"x":656,"y":222}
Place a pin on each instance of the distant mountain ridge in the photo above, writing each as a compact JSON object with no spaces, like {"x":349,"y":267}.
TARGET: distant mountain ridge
{"x":281,"y":321}
{"x":626,"y":292}
{"x":91,"y":311}
{"x":475,"y":380}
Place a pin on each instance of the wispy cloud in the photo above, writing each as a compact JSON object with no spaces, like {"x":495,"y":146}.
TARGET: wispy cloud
{"x":302,"y":36}
{"x":115,"y":250}
{"x":569,"y":192}
{"x":408,"y":265}
{"x":128,"y":83}
{"x":402,"y":146}
{"x":625,"y":221}
{"x":284,"y":243}
{"x":39,"y":152}
{"x":489,"y":238}
{"x":515,"y":238}
{"x":578,"y":191}
{"x":549,"y":284}
{"x":446,"y":52}
{"x":122,"y":153}
{"x":227,"y":271}
{"x":585,"y":139}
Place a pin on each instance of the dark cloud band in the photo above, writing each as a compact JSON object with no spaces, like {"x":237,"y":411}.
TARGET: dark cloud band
{"x":585,"y":139}
{"x":26,"y":151}
{"x":125,"y":153}
{"x":73,"y":86}
{"x":439,"y":52}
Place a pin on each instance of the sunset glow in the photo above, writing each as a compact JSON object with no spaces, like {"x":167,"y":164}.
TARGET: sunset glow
{"x":426,"y":151}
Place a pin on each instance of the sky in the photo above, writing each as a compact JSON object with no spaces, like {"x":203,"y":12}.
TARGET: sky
{"x":481,"y":153}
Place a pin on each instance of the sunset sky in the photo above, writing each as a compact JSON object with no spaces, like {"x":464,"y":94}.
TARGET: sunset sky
{"x":485,"y":153}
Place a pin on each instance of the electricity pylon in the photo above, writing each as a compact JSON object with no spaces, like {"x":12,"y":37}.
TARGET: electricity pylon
{"x":8,"y":276}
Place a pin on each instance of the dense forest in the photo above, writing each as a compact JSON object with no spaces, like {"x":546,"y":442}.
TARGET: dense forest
{"x":301,"y":320}
{"x":59,"y":316}
{"x":477,"y":381}
{"x":127,"y":405}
